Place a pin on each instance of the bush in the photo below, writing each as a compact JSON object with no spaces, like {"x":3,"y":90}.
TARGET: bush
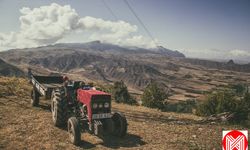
{"x":227,"y":101}
{"x":121,"y":94}
{"x":240,"y":89}
{"x":218,"y":102}
{"x":243,"y":109}
{"x":182,"y":107}
{"x":186,"y":106}
{"x":154,"y":96}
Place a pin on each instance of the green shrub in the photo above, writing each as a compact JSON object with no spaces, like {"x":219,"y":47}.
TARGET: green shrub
{"x":121,"y":94}
{"x":153,"y":96}
{"x":186,"y":106}
{"x":218,"y":102}
{"x":182,"y":107}
{"x":242,"y":111}
{"x":227,"y":101}
{"x":240,"y":89}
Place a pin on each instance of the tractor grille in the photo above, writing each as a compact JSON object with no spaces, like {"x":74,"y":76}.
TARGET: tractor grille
{"x":101,"y":110}
{"x":101,"y":99}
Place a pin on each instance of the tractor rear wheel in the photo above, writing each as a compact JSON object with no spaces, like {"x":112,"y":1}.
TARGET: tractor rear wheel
{"x":34,"y":97}
{"x":59,"y":108}
{"x":74,"y":131}
{"x":120,"y":124}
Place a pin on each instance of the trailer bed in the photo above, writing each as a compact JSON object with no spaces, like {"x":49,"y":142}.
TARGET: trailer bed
{"x":46,"y":84}
{"x":51,"y":85}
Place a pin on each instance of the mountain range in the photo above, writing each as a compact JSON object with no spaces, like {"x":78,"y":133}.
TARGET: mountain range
{"x":100,"y":61}
{"x":137,"y":67}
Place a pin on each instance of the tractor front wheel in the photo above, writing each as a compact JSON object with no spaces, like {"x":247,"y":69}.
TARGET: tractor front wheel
{"x":59,"y":108}
{"x":120,"y":124}
{"x":74,"y":131}
{"x":34,"y":97}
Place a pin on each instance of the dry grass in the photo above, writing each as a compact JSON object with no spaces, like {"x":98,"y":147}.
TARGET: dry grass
{"x":26,"y":127}
{"x":10,"y":86}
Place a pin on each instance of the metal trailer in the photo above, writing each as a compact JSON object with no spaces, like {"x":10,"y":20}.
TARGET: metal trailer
{"x":44,"y":86}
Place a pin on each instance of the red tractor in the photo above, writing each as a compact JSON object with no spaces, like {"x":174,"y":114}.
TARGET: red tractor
{"x":84,"y":109}
{"x":78,"y":106}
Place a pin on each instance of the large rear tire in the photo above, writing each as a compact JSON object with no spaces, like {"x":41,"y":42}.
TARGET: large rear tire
{"x":74,"y":131}
{"x":120,"y":124}
{"x":59,"y":108}
{"x":34,"y":97}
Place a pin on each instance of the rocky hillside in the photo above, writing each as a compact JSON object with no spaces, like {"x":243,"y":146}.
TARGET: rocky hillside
{"x":9,"y":70}
{"x":230,"y":65}
{"x":106,"y":63}
{"x":98,"y":61}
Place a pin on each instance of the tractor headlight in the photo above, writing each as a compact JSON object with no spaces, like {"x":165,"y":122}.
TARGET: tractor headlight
{"x":100,"y":105}
{"x":106,"y":105}
{"x":95,"y":105}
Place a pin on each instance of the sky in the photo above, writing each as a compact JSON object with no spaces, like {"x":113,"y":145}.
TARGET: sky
{"x":214,"y":29}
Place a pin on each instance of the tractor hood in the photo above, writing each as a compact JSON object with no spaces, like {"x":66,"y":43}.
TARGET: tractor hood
{"x":85,"y":96}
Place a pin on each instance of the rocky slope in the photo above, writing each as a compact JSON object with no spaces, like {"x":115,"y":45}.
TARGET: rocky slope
{"x":97,"y":61}
{"x":106,"y":63}
{"x":9,"y":70}
{"x":230,"y":65}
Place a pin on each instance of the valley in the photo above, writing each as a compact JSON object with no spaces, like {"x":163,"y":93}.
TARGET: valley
{"x":103,"y":63}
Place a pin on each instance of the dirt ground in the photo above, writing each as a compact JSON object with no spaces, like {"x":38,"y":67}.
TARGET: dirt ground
{"x":24,"y":127}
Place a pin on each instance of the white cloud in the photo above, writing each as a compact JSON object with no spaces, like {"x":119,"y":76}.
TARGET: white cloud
{"x":239,"y":53}
{"x":140,"y":39}
{"x":48,"y":24}
{"x":239,"y":56}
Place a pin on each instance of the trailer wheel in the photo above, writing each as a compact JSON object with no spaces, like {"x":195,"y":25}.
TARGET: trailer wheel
{"x":59,"y":109}
{"x":74,"y":131}
{"x":120,"y":124}
{"x":34,"y":97}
